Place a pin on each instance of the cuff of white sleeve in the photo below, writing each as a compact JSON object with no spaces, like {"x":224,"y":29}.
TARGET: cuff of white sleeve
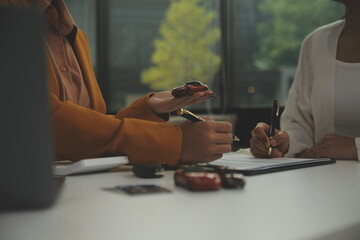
{"x":357,"y":143}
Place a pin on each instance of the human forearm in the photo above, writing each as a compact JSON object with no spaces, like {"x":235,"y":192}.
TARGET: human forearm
{"x":141,"y":109}
{"x":83,"y":133}
{"x":333,"y":146}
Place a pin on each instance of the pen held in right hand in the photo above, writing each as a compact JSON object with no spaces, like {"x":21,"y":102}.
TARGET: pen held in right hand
{"x":275,"y":117}
{"x":270,"y":148}
{"x":194,"y":118}
{"x":279,"y":144}
{"x":260,"y":142}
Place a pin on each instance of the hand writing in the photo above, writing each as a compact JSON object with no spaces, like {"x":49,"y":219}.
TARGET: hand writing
{"x":260,"y":142}
{"x":205,"y":141}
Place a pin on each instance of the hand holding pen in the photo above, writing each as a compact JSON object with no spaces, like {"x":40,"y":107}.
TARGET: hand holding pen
{"x":267,"y":141}
{"x":194,"y":118}
{"x":275,"y":118}
{"x":205,"y":140}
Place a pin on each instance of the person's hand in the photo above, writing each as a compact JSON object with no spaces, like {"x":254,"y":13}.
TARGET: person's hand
{"x":164,"y":102}
{"x":260,"y":142}
{"x":205,"y":141}
{"x":332,"y":146}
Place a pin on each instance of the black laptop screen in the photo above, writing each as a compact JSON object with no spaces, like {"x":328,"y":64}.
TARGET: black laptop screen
{"x":25,"y":137}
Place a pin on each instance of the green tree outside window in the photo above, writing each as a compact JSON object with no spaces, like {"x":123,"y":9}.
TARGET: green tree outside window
{"x":285,"y":25}
{"x":185,"y":51}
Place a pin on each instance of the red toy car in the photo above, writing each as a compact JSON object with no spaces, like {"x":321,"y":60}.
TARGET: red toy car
{"x":188,"y":89}
{"x":230,"y":178}
{"x":197,"y":179}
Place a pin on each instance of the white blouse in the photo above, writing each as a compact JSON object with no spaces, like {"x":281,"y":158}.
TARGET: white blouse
{"x":346,"y":99}
{"x":313,"y":103}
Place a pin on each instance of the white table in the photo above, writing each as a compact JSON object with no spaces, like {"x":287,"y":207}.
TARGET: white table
{"x":313,"y":203}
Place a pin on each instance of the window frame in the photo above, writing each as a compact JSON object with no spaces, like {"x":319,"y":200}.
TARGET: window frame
{"x":102,"y":65}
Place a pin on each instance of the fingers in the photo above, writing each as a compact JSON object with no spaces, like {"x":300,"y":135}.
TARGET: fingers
{"x":204,"y":139}
{"x":180,"y":102}
{"x":322,"y":149}
{"x":220,"y":148}
{"x":264,"y":152}
{"x":275,"y":153}
{"x":263,"y":126}
{"x":314,"y":152}
{"x":319,"y":152}
{"x":278,"y":139}
{"x":223,"y":138}
{"x":164,"y":102}
{"x":260,"y":142}
{"x":223,"y":127}
{"x":258,"y":148}
{"x":220,"y":132}
{"x":220,"y":137}
{"x":281,"y":141}
{"x":215,"y":151}
{"x":195,"y":98}
{"x":260,"y":132}
{"x":219,"y":127}
{"x":197,"y":101}
{"x":203,"y":94}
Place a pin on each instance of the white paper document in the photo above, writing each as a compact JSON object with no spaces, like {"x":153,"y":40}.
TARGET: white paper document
{"x":248,"y":163}
{"x":90,"y":165}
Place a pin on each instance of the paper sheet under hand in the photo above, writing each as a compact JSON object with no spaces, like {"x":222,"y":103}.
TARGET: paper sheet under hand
{"x":244,"y":161}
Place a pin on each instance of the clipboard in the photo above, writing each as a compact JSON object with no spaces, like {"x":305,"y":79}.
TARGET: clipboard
{"x":249,"y":165}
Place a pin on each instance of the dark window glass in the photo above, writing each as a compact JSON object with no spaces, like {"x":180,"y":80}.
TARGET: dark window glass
{"x":84,"y":12}
{"x":267,"y":38}
{"x":154,"y":45}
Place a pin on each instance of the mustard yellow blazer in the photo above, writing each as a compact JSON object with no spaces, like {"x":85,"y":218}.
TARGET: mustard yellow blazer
{"x":80,"y":132}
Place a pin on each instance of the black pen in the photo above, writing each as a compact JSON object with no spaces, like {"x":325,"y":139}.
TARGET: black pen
{"x":275,"y":115}
{"x":192,"y":117}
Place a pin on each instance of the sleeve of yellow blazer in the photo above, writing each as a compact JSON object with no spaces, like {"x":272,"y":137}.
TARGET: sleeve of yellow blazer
{"x":80,"y":132}
{"x":142,"y":110}
{"x":83,"y":133}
